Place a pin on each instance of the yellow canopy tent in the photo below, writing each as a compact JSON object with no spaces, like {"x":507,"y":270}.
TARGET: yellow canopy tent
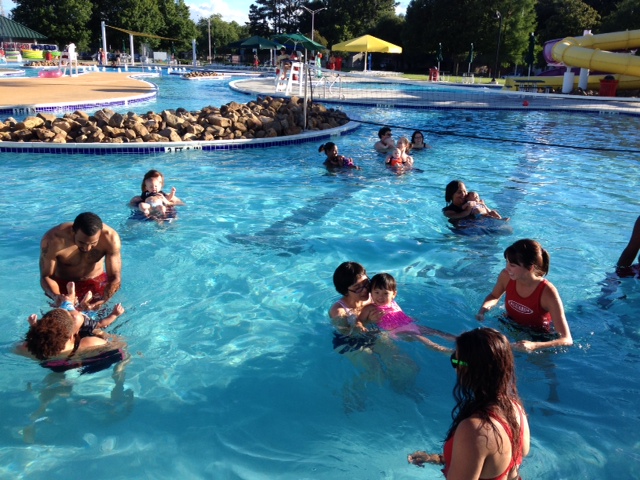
{"x":366,"y":44}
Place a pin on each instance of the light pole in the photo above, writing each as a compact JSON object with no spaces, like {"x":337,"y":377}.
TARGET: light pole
{"x":209,"y":29}
{"x":313,"y":14}
{"x":497,"y":17}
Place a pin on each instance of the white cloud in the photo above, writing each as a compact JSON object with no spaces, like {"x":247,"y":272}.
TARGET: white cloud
{"x":198,"y":8}
{"x":401,"y":8}
{"x":202,"y":9}
{"x":7,"y":6}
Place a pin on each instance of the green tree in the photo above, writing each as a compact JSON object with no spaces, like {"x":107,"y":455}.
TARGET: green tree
{"x":458,"y":24}
{"x":351,"y":18}
{"x":604,"y":7}
{"x":271,"y":17}
{"x":626,"y":16}
{"x":222,"y":34}
{"x":565,"y":18}
{"x":63,"y":21}
{"x":140,"y":16}
{"x":177,"y":24}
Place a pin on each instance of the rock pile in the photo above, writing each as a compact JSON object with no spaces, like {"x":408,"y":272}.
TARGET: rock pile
{"x":203,"y":74}
{"x":41,"y":63}
{"x":263,"y":118}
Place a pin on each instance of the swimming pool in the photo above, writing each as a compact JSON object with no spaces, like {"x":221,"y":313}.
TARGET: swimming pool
{"x":233,"y":374}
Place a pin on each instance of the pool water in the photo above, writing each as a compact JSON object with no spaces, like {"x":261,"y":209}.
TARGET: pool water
{"x":233,"y":375}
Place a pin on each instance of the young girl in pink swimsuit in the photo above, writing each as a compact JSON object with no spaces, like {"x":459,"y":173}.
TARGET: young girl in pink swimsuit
{"x":393,"y":319}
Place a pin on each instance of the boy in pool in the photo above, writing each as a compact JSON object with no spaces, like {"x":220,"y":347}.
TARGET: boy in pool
{"x":480,"y":208}
{"x":383,"y":293}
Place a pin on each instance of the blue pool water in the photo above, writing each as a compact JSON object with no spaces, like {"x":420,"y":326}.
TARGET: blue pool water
{"x":233,"y":375}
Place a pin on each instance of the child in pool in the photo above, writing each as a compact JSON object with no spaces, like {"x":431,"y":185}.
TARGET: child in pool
{"x":395,"y":160}
{"x":335,"y":160}
{"x":84,"y":323}
{"x":153,"y":201}
{"x":480,"y":208}
{"x":404,"y":146}
{"x":383,"y":293}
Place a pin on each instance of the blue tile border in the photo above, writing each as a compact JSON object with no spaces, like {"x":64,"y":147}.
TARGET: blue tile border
{"x":151,"y":148}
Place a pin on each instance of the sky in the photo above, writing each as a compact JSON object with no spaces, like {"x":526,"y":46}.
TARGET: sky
{"x":230,"y":10}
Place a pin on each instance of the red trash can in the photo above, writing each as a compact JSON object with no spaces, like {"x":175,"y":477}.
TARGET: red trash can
{"x":434,"y":74}
{"x":608,"y":87}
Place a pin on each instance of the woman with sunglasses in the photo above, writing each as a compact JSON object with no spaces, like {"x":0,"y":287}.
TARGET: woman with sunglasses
{"x":351,"y":281}
{"x":489,"y":435}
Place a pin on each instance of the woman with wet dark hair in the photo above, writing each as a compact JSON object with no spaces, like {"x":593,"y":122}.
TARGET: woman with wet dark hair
{"x":489,"y":435}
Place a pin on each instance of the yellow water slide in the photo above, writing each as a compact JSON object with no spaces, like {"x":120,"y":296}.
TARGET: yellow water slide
{"x":594,"y":52}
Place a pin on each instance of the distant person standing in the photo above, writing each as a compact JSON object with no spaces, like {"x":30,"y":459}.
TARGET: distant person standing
{"x":319,"y":65}
{"x":103,"y":57}
{"x":331,"y":64}
{"x":339,"y":64}
{"x":100,"y":57}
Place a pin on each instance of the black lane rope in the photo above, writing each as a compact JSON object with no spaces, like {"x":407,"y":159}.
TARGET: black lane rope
{"x":503,"y":140}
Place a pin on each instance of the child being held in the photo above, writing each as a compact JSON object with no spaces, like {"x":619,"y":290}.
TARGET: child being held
{"x":395,"y":160}
{"x":387,"y":314}
{"x":153,"y":201}
{"x":334,"y":159}
{"x":480,"y":208}
{"x":86,"y":324}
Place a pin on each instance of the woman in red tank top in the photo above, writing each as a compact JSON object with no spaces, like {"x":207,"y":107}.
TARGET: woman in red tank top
{"x":489,"y":435}
{"x":530,"y":300}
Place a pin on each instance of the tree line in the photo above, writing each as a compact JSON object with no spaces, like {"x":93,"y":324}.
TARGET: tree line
{"x":427,"y":24}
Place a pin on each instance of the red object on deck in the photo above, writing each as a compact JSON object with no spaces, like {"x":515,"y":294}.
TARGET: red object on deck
{"x":608,"y":88}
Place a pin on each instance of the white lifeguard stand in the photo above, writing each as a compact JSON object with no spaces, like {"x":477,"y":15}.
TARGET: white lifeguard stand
{"x":67,"y":59}
{"x":286,"y":81}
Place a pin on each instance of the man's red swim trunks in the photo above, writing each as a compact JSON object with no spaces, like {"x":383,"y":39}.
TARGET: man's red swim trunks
{"x":94,"y":285}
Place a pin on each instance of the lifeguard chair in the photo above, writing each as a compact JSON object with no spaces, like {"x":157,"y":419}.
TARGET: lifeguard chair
{"x":68,"y":58}
{"x":295,"y":75}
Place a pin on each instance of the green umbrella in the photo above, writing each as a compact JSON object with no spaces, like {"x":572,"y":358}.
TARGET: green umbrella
{"x":259,"y":43}
{"x":296,"y":39}
{"x":470,"y":58}
{"x":530,"y":57}
{"x":439,"y":57}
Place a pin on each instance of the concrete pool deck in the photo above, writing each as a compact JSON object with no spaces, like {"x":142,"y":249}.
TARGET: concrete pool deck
{"x":463,"y":97}
{"x":19,"y":96}
{"x":85,"y":91}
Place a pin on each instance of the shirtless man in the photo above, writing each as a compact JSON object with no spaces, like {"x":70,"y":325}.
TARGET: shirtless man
{"x":386,"y":143}
{"x":73,"y":252}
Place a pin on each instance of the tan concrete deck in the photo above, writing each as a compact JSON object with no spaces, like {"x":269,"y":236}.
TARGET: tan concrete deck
{"x":89,"y":87}
{"x":459,"y":97}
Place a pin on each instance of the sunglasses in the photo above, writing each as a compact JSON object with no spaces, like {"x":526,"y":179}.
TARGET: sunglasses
{"x":360,"y":288}
{"x":455,"y":363}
